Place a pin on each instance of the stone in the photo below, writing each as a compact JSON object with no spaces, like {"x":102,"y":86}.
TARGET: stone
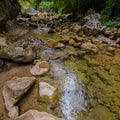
{"x":89,"y":47}
{"x":36,"y":115}
{"x":14,"y":112}
{"x":14,"y":90}
{"x":55,"y":57}
{"x":3,"y":42}
{"x":59,"y":46}
{"x":46,"y":89}
{"x":21,"y":51}
{"x":40,"y":68}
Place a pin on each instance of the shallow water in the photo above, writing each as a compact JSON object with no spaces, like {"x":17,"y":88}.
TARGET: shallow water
{"x":72,"y":96}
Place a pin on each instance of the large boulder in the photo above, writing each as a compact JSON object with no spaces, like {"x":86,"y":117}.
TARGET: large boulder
{"x":8,"y":9}
{"x":21,"y":51}
{"x":14,"y":89}
{"x":36,"y":115}
{"x":91,"y":23}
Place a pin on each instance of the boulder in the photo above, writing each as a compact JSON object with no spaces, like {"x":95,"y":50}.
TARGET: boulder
{"x":14,"y":89}
{"x":21,"y":51}
{"x":46,"y":89}
{"x":36,"y":115}
{"x":91,"y":24}
{"x":40,"y":68}
{"x":8,"y":9}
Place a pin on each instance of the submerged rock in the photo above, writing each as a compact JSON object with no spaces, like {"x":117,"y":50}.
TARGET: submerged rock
{"x":36,"y":115}
{"x":46,"y":89}
{"x":14,"y":89}
{"x":40,"y":68}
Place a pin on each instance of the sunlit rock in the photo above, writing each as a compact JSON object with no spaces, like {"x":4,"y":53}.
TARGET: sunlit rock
{"x":14,"y":89}
{"x":46,"y":89}
{"x":40,"y":68}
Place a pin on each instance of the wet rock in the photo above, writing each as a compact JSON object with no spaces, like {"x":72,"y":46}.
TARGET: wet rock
{"x":89,"y":47}
{"x":14,"y":112}
{"x":54,"y":57}
{"x":40,"y":68}
{"x":21,"y":51}
{"x":14,"y":89}
{"x":46,"y":89}
{"x":36,"y":115}
{"x":91,"y":24}
{"x":3,"y":42}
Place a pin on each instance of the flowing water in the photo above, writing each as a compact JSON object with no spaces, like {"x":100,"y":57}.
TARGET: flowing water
{"x":72,"y":97}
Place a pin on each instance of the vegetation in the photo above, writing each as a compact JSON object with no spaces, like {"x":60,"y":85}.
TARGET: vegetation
{"x":107,"y":8}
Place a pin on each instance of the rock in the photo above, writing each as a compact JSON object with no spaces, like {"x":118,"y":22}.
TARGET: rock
{"x":17,"y":32}
{"x":112,"y":33}
{"x":59,"y":46}
{"x":3,"y":42}
{"x":36,"y":115}
{"x":46,"y":89}
{"x":14,"y":89}
{"x":111,"y":49}
{"x":14,"y":112}
{"x":40,"y":68}
{"x":31,"y":12}
{"x":89,"y":47}
{"x":91,"y":24}
{"x":21,"y":51}
{"x":54,"y":57}
{"x":81,"y":53}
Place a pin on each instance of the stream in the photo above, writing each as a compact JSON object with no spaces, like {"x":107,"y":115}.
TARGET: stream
{"x":72,"y":96}
{"x":87,"y":85}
